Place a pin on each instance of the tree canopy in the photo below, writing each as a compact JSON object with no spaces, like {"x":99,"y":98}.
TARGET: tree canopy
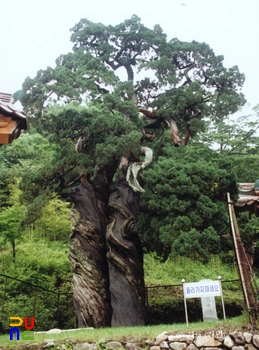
{"x":178,"y":85}
{"x":180,"y":82}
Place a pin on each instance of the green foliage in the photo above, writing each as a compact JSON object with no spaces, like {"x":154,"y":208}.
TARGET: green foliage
{"x":46,"y":265}
{"x":21,"y":154}
{"x":43,"y":265}
{"x":234,"y":136}
{"x":9,"y":225}
{"x":185,"y":197}
{"x":193,"y":242}
{"x":10,"y":218}
{"x":189,"y":82}
{"x":249,"y":231}
{"x":82,"y":99}
{"x":6,"y":178}
{"x":164,"y":287}
{"x":54,"y":224}
{"x":238,"y":139}
{"x":177,"y":267}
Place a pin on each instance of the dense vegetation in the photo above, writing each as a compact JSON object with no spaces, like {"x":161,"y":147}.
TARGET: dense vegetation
{"x":37,"y":252}
{"x":183,"y":222}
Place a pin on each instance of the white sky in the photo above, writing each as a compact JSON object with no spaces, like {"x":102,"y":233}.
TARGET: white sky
{"x":36,"y":32}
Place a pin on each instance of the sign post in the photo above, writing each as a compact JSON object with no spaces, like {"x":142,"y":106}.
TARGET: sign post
{"x":204,"y":288}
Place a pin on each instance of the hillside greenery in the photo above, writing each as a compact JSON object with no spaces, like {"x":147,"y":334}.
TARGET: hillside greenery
{"x":45,"y":264}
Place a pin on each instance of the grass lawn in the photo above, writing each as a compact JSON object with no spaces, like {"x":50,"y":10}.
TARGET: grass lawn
{"x":135,"y":334}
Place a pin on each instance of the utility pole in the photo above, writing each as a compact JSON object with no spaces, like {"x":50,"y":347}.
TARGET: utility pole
{"x":244,"y":267}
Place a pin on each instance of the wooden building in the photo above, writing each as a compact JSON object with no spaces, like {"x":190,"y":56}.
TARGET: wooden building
{"x":248,"y":197}
{"x":12,"y":119}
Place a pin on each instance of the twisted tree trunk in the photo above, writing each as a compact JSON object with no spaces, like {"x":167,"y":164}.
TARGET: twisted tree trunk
{"x":87,"y":255}
{"x":125,"y":256}
{"x":108,"y":290}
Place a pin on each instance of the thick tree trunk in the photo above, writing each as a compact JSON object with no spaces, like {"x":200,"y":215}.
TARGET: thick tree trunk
{"x":108,"y":289}
{"x":87,"y":255}
{"x":125,"y":256}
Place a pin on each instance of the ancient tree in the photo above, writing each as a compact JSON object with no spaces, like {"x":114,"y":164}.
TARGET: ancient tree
{"x":120,"y":88}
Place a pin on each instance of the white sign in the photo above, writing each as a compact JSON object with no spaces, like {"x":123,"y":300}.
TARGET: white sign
{"x":202,"y":289}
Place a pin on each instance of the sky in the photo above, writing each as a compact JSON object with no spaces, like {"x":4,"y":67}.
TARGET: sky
{"x":35,"y":32}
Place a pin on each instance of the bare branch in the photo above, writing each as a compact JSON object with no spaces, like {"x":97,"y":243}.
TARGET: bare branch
{"x":147,"y":112}
{"x":174,"y":132}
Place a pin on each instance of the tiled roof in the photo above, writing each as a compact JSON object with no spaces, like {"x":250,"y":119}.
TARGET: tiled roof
{"x":12,"y":119}
{"x":8,"y":98}
{"x":247,"y":194}
{"x":9,"y":110}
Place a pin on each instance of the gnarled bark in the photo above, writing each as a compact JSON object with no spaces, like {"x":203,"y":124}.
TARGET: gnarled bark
{"x":125,"y":256}
{"x":108,"y":289}
{"x":87,"y":255}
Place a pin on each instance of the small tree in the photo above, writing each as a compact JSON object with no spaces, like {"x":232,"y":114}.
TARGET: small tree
{"x":10,"y":218}
{"x":185,"y":202}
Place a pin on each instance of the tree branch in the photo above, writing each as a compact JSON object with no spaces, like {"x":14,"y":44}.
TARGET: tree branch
{"x":188,"y":134}
{"x":174,"y":132}
{"x":74,"y":181}
{"x":147,"y":112}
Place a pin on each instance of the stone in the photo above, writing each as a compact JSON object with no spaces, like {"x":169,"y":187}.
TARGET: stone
{"x":239,"y":347}
{"x":238,"y":337}
{"x":206,"y":341}
{"x":54,"y":331}
{"x":178,"y":345}
{"x":155,"y":347}
{"x":131,"y":346}
{"x":219,"y":335}
{"x":208,"y":305}
{"x":48,"y":340}
{"x":162,"y":336}
{"x":249,"y":347}
{"x":113,"y":345}
{"x":164,"y":345}
{"x":132,"y":339}
{"x":248,"y":337}
{"x":256,"y":340}
{"x":49,"y":344}
{"x":191,"y":347}
{"x":228,"y":342}
{"x":82,"y":346}
{"x":209,"y":312}
{"x":180,"y":337}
